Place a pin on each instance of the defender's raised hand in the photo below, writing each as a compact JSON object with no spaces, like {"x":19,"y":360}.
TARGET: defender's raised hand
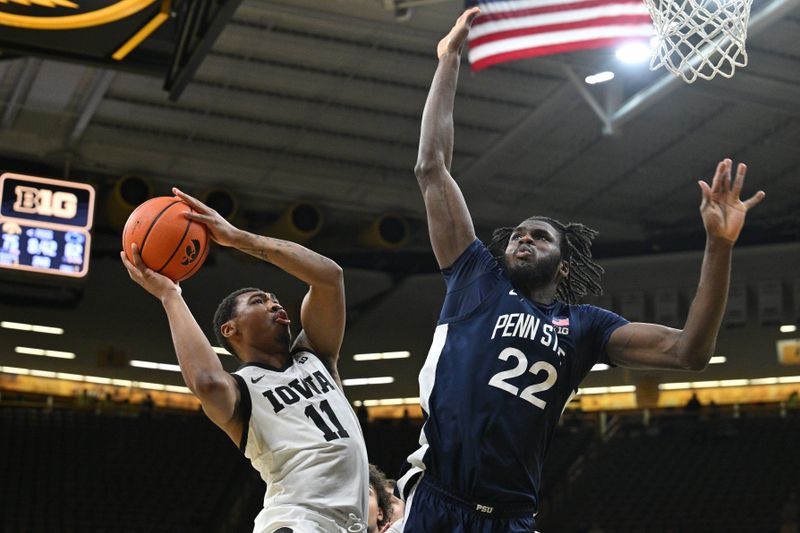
{"x":722,"y":210}
{"x":221,"y":231}
{"x":454,"y":40}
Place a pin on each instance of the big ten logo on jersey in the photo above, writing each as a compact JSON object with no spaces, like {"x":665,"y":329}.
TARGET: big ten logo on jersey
{"x":561,"y":323}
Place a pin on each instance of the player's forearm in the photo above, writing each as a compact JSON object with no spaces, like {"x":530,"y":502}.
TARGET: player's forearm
{"x":436,"y":135}
{"x":200,"y":366}
{"x":699,"y":335}
{"x":295,"y":259}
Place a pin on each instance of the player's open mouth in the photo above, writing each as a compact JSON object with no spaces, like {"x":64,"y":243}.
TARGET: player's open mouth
{"x":282,"y":318}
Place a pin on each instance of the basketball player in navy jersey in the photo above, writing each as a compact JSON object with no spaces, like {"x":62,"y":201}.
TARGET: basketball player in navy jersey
{"x":284,"y":407}
{"x":512,"y":345}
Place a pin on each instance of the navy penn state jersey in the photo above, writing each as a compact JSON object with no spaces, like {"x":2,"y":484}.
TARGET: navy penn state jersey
{"x":498,"y":375}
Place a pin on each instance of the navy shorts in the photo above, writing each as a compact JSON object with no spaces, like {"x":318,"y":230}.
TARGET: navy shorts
{"x":434,"y":510}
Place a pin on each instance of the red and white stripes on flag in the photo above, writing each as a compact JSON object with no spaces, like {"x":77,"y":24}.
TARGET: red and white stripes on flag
{"x":514,"y":29}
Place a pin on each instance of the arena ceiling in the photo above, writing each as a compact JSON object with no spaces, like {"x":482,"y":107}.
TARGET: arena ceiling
{"x":320,"y":100}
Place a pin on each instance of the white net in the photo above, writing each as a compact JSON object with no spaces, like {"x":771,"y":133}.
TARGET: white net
{"x":700,"y":38}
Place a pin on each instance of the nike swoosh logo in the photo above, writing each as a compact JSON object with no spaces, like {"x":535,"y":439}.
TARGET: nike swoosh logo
{"x":256,"y":380}
{"x":512,"y":292}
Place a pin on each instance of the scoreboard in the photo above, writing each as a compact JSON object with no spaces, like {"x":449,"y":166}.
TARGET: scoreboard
{"x":45,"y":224}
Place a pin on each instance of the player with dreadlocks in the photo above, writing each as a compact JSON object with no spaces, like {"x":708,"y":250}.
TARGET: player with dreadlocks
{"x":512,"y":344}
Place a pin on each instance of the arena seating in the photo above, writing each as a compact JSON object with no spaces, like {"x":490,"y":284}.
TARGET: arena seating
{"x":68,"y":470}
{"x":77,"y":471}
{"x":683,"y":474}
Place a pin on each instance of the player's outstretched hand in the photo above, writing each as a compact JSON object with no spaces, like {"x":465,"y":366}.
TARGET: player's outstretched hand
{"x":454,"y":40}
{"x":221,"y":231}
{"x":722,"y":210}
{"x":156,"y":284}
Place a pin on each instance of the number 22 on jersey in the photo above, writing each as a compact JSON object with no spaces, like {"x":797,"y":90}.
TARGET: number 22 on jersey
{"x":500,"y":380}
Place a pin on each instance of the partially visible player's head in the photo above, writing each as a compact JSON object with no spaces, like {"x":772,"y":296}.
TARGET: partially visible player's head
{"x":380,"y":506}
{"x":398,"y":505}
{"x":542,"y":251}
{"x":251,"y":316}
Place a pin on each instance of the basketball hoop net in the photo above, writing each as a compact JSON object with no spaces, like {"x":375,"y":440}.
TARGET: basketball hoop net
{"x":699,"y":38}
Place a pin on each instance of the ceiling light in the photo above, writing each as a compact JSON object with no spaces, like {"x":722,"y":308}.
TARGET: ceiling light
{"x":31,"y":327}
{"x":70,"y":377}
{"x":733,"y":382}
{"x":220,"y":350}
{"x":381,"y":355}
{"x":764,"y":381}
{"x":622,"y":388}
{"x":43,"y":373}
{"x":788,"y":328}
{"x":607,"y":390}
{"x":387,"y":401}
{"x":155,"y":366}
{"x":675,"y":386}
{"x":98,"y":380}
{"x":15,"y":370}
{"x":599,"y":367}
{"x":705,"y":384}
{"x":382,"y":380}
{"x":633,"y":53}
{"x":46,"y":353}
{"x":717,"y":360}
{"x":600,"y":77}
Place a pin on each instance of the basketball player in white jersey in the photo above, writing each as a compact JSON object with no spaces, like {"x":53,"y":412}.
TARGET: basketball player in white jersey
{"x":284,"y":407}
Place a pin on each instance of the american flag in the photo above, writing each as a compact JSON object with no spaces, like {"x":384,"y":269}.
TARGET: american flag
{"x":514,"y":29}
{"x":561,"y":321}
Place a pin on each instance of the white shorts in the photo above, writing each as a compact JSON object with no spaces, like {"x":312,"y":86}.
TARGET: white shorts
{"x":291,"y":519}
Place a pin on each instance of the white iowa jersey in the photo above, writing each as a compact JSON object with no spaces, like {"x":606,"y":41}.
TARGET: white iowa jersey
{"x":304,"y":439}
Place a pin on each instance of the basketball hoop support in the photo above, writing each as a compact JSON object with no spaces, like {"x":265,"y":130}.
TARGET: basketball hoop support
{"x":642,"y":100}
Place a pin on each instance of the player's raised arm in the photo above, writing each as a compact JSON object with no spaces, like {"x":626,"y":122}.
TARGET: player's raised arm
{"x":655,"y":346}
{"x":200,"y":366}
{"x":323,"y":310}
{"x":449,"y":222}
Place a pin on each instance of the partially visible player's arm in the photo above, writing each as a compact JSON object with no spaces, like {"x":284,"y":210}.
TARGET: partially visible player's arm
{"x":449,"y":222}
{"x":295,"y":259}
{"x":323,"y":317}
{"x":200,"y":366}
{"x":654,"y":346}
{"x":323,"y":311}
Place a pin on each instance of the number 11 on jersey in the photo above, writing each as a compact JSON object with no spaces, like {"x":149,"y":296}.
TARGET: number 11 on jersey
{"x":329,"y":434}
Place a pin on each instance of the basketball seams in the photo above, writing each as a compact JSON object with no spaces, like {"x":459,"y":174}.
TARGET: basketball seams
{"x":153,"y":223}
{"x":160,"y":246}
{"x":179,"y":245}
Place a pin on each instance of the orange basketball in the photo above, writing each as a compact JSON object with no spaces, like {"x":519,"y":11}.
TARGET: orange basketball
{"x":168,"y":242}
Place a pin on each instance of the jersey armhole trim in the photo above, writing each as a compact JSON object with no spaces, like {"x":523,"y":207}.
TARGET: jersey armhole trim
{"x":245,"y":410}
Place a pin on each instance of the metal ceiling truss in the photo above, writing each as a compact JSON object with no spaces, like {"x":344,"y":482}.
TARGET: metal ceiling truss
{"x":651,"y":94}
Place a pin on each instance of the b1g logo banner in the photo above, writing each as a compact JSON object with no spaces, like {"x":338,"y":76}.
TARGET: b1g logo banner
{"x":67,"y":14}
{"x":47,"y":201}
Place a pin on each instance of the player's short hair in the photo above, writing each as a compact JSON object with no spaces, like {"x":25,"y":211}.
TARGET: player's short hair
{"x":377,"y":480}
{"x":576,"y":248}
{"x":226,"y":310}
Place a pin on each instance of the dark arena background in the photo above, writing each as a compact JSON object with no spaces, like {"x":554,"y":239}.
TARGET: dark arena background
{"x":299,"y":119}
